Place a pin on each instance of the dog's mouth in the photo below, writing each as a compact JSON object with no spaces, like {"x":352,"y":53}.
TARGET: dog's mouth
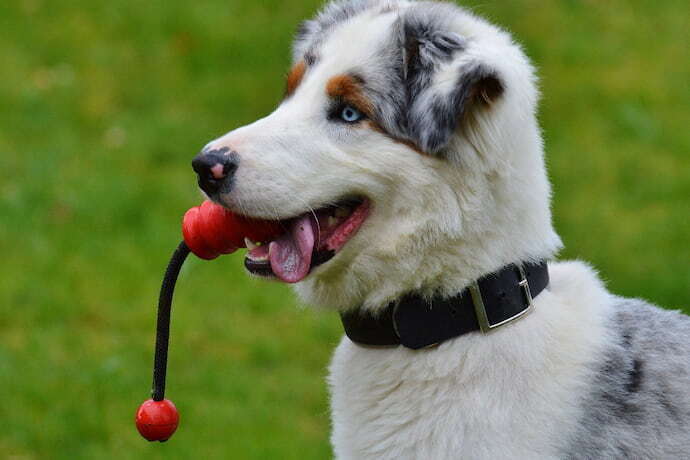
{"x":310,"y":240}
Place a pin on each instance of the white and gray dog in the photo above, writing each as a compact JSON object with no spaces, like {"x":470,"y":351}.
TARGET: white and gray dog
{"x":406,"y":165}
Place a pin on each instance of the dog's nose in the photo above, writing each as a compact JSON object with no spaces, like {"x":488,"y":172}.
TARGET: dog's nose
{"x":216,"y":169}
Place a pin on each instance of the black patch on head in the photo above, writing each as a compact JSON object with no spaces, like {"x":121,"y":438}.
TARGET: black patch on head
{"x":431,"y":117}
{"x":427,"y":46}
{"x":424,"y":50}
{"x":434,"y":118}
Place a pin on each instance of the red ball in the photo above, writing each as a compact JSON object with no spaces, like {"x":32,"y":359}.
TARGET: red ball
{"x":217,"y":227}
{"x":194,"y":238}
{"x":211,"y":230}
{"x":157,"y":420}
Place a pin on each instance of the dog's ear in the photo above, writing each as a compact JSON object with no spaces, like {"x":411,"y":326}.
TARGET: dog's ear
{"x":443,"y":84}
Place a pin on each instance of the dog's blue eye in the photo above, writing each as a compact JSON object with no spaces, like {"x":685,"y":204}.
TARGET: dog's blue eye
{"x":350,"y":115}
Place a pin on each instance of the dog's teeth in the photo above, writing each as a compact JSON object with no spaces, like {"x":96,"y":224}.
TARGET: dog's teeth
{"x":332,"y":221}
{"x":342,"y":212}
{"x":250,"y":245}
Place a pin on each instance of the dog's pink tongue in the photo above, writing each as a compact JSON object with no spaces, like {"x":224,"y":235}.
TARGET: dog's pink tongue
{"x":290,"y":255}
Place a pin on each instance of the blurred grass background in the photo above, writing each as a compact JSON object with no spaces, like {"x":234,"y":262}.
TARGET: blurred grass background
{"x":102,"y":106}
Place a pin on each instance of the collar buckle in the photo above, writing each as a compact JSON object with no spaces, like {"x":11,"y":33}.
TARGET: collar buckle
{"x":487,"y":326}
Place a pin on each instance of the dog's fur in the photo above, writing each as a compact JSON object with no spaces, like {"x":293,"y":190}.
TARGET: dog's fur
{"x":451,"y":158}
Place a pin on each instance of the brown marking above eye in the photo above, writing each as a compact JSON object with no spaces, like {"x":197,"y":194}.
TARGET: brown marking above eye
{"x":349,"y":90}
{"x":294,"y":77}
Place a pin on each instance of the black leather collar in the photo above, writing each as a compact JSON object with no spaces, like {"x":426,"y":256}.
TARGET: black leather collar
{"x":416,"y":322}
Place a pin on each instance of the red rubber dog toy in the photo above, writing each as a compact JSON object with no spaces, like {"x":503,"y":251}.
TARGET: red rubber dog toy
{"x":209,"y":230}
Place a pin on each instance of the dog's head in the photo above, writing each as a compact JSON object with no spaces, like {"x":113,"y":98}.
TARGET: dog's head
{"x":405,"y":155}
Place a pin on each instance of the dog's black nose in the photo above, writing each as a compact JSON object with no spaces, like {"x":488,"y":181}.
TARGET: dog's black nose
{"x":216,"y":169}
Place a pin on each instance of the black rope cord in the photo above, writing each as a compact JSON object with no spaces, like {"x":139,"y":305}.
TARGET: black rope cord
{"x":160,"y":360}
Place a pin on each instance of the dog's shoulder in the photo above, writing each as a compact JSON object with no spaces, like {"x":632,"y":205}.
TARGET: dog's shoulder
{"x":601,"y":375}
{"x":641,"y":387}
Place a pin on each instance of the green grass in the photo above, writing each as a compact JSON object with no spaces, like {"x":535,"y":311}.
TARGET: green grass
{"x":102,"y":106}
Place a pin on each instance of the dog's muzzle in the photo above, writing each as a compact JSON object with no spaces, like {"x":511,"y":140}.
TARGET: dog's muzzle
{"x":216,"y":170}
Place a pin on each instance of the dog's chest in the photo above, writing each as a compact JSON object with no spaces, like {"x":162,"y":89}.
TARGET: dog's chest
{"x":400,"y":404}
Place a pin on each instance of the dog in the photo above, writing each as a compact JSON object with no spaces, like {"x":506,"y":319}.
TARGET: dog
{"x":406,"y":165}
